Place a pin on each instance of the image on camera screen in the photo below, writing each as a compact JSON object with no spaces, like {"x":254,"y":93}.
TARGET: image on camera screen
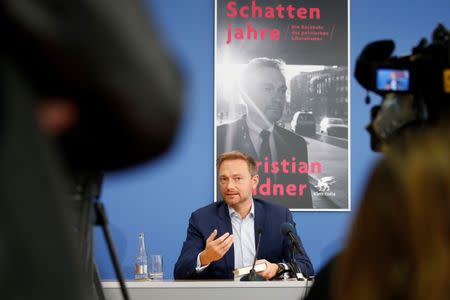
{"x":392,"y":80}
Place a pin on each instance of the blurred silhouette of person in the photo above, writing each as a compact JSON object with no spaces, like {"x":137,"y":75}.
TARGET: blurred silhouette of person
{"x":86,"y":87}
{"x":263,"y":89}
{"x":399,"y":245}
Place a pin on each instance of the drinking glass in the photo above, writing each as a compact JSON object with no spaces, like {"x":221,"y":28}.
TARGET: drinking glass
{"x":156,"y":267}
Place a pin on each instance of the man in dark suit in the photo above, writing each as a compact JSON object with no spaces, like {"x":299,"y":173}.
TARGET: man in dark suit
{"x":222,"y":236}
{"x":263,"y":89}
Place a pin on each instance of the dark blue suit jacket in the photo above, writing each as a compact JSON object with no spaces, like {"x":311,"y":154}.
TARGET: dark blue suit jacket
{"x":274,"y":247}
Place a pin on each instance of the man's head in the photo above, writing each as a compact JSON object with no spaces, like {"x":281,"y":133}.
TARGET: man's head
{"x":237,"y":177}
{"x":263,"y":88}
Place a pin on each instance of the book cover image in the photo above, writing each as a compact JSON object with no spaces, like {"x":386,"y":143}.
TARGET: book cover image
{"x":282,"y":96}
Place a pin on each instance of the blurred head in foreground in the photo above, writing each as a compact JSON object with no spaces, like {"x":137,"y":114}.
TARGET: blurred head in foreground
{"x":399,"y":245}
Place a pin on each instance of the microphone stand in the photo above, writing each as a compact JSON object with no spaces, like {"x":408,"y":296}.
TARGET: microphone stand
{"x":102,"y":220}
{"x":287,"y":229}
{"x":252,"y":276}
{"x":295,"y":268}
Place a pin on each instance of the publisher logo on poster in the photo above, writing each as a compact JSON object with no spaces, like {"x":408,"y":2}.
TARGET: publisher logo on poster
{"x":323,"y":186}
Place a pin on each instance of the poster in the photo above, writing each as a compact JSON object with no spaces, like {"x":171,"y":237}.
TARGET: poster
{"x":282,"y":96}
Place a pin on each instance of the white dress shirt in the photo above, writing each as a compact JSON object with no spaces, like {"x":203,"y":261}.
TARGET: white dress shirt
{"x":244,"y":237}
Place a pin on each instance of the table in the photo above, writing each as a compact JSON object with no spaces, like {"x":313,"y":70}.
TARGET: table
{"x":203,"y":290}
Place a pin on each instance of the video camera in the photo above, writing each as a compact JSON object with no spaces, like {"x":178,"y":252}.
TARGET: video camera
{"x":415,"y":88}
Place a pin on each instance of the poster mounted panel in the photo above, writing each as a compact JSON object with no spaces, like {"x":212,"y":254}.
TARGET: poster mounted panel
{"x":282,"y":96}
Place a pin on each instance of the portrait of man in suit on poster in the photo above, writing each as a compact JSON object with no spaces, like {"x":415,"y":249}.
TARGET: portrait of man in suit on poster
{"x":259,"y":132}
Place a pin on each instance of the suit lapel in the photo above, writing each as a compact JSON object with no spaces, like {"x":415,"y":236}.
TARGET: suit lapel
{"x":284,"y":151}
{"x":241,"y":138}
{"x":225,"y":226}
{"x":280,"y":144}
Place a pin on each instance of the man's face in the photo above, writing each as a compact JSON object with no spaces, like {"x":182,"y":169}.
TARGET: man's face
{"x":236,"y":182}
{"x":267,"y":94}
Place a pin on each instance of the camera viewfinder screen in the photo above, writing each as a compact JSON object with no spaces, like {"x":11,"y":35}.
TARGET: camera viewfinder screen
{"x":392,"y":80}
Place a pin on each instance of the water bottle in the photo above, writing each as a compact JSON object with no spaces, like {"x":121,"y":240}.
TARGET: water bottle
{"x":140,"y":269}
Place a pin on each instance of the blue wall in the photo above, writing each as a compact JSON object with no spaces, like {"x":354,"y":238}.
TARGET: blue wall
{"x":158,"y":198}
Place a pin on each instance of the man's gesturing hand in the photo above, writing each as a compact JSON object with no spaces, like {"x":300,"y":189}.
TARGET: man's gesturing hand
{"x":216,"y":248}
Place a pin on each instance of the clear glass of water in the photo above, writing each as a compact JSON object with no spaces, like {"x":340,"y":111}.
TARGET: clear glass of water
{"x":155,"y":267}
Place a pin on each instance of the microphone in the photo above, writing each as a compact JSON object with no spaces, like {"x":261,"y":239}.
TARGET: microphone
{"x":252,"y":276}
{"x":288,"y":230}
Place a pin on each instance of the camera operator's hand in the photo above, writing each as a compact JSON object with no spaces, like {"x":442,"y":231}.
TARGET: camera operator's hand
{"x":216,"y":248}
{"x":55,"y":116}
